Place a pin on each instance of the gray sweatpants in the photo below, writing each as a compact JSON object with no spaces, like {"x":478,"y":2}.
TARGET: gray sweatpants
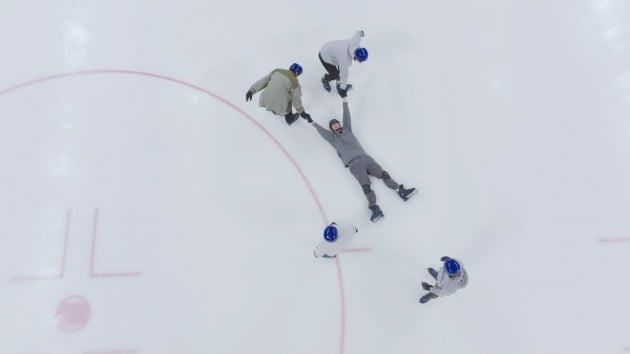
{"x":362,"y":168}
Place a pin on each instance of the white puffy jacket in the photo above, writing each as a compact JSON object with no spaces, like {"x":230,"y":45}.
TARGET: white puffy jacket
{"x":446,"y":285}
{"x":340,"y":53}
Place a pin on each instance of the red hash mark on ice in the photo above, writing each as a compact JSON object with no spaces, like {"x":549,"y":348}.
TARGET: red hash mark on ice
{"x":236,"y":108}
{"x":62,"y":267}
{"x":93,"y":273}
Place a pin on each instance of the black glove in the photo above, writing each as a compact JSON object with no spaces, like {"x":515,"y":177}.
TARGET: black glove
{"x":343,"y":93}
{"x":444,"y":259}
{"x":426,"y":286}
{"x":248,"y":95}
{"x":306,"y":116}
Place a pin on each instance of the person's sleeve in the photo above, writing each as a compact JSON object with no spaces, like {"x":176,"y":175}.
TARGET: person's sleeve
{"x":344,"y":66}
{"x":323,"y":132}
{"x":347,"y":121}
{"x":346,"y":234}
{"x":260,"y":84}
{"x":440,"y":291}
{"x":441,"y":287}
{"x":296,"y":99}
{"x":343,"y":75}
{"x":465,"y":275}
{"x":355,"y":41}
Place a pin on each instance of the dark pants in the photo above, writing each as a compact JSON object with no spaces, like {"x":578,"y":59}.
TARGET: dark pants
{"x":364,"y":167}
{"x":333,"y":71}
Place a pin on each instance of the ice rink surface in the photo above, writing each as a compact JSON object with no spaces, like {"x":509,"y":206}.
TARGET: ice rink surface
{"x":148,"y":209}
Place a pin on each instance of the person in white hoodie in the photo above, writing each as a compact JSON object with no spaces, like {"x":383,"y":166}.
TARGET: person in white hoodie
{"x":450,"y":278}
{"x":337,"y":56}
{"x":335,"y":240}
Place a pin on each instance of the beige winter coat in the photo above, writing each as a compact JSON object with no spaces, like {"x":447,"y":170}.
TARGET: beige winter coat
{"x":281,"y":89}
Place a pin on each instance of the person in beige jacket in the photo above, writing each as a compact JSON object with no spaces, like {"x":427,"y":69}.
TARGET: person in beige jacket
{"x":281,"y":91}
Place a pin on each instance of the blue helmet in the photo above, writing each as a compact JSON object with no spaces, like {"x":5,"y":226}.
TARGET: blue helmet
{"x":452,"y":267}
{"x":330,"y":233}
{"x":296,"y":68}
{"x":361,"y":54}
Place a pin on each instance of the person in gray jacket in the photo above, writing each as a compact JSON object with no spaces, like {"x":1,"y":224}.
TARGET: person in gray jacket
{"x":281,"y":91}
{"x":361,"y":165}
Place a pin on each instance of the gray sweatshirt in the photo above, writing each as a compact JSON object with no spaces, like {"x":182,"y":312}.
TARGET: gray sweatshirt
{"x":347,"y":146}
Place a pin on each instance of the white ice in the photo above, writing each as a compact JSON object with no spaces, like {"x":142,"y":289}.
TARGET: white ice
{"x":511,"y":118}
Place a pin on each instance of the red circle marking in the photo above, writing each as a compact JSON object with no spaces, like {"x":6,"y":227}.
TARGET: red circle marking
{"x":73,"y":314}
{"x":244,"y":114}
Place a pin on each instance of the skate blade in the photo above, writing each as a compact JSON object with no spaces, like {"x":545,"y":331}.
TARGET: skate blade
{"x":411,"y":195}
{"x":376,"y":219}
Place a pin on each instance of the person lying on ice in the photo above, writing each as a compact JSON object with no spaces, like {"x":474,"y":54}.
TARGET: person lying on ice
{"x":361,"y":165}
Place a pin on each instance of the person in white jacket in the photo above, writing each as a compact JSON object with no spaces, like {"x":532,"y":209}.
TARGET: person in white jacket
{"x":335,"y":240}
{"x":450,"y":278}
{"x":337,"y":56}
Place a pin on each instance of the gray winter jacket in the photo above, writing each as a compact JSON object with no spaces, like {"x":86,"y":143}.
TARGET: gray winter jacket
{"x":347,"y":146}
{"x":281,"y":89}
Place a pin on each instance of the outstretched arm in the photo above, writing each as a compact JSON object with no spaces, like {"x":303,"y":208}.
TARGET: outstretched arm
{"x":355,"y":41}
{"x":261,"y":84}
{"x":347,"y":122}
{"x":323,"y":132}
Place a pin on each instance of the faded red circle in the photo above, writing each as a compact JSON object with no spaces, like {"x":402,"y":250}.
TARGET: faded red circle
{"x":73,"y":313}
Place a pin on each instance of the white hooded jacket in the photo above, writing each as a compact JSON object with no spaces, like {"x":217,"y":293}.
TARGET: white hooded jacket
{"x":446,"y":285}
{"x":341,"y":53}
{"x":331,"y":249}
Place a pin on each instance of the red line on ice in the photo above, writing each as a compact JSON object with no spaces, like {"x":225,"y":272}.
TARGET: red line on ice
{"x":62,"y":267}
{"x":244,"y":114}
{"x":343,"y":307}
{"x":93,"y":256}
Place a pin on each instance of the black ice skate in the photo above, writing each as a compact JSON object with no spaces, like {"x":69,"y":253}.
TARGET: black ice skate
{"x":291,"y":117}
{"x":405,"y":194}
{"x":426,"y":298}
{"x":426,"y":286}
{"x":377,"y":213}
{"x":325,"y":83}
{"x":433,"y":273}
{"x":348,"y":87}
